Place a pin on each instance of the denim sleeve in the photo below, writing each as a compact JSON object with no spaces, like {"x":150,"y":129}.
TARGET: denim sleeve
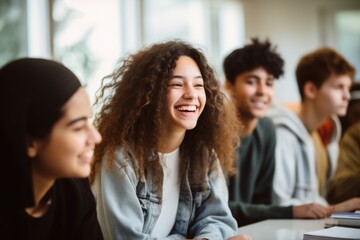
{"x":119,"y":211}
{"x":213,"y":219}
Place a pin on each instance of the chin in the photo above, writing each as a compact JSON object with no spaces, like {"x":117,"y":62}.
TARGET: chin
{"x":259,"y":114}
{"x":188,"y":125}
{"x":187,"y":128}
{"x":82,"y":173}
{"x":341,"y":112}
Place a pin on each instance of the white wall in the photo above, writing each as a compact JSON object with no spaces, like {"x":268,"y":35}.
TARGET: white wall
{"x":296,"y":27}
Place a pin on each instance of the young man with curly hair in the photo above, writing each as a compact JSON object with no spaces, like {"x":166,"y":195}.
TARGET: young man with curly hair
{"x":250,"y":74}
{"x":324,"y":78}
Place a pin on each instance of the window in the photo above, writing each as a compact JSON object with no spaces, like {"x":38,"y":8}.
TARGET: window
{"x":86,"y":38}
{"x":214,"y":26}
{"x":90,"y":36}
{"x":347,"y":32}
{"x":341,"y":30}
{"x":13,"y":42}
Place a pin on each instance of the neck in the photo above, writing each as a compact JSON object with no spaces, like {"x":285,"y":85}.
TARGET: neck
{"x":248,"y":122}
{"x":41,"y":186}
{"x":170,"y":140}
{"x":249,"y":126}
{"x":311,"y":117}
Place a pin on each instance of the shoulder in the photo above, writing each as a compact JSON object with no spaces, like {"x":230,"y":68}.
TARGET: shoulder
{"x":73,"y":198}
{"x":286,"y":135}
{"x":354,"y":132}
{"x":352,"y":135}
{"x":122,"y":167}
{"x":265,"y":124}
{"x":288,"y":125}
{"x":265,"y":130}
{"x":120,"y":160}
{"x":75,"y":209}
{"x":283,"y":117}
{"x":74,"y":190}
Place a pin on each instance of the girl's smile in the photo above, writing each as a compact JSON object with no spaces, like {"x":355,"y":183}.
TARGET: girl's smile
{"x":185,"y":95}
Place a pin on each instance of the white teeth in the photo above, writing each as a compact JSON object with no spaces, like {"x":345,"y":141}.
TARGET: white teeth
{"x":186,"y":108}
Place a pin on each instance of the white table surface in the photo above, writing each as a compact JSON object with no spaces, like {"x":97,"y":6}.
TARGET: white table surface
{"x":282,"y":229}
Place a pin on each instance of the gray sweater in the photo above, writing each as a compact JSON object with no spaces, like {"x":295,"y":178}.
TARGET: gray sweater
{"x":295,"y":180}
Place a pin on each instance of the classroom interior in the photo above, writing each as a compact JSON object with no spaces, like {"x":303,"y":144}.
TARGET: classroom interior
{"x":91,"y":36}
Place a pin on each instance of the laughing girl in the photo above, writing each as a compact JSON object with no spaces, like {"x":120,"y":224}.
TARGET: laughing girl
{"x":168,"y":142}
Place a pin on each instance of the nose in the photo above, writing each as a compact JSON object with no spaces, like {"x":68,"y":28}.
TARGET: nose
{"x":190,"y":92}
{"x":261,"y":89}
{"x":347,"y":95}
{"x":94,"y":134}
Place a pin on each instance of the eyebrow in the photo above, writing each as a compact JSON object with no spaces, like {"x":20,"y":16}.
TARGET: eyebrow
{"x":252,"y":76}
{"x":180,"y":76}
{"x":76,"y":120}
{"x":257,"y":77}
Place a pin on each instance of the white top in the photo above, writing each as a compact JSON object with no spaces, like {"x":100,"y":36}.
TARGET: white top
{"x":171,"y":191}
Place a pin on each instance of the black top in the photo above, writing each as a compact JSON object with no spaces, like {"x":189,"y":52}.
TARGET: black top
{"x":250,"y":190}
{"x":71,"y":215}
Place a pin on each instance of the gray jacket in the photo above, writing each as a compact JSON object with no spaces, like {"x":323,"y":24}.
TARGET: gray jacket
{"x":295,"y":180}
{"x":128,"y":207}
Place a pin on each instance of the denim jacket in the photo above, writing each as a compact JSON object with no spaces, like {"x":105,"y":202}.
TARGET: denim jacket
{"x":128,"y":207}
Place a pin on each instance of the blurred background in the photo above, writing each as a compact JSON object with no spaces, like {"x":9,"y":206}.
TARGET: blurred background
{"x":91,"y":36}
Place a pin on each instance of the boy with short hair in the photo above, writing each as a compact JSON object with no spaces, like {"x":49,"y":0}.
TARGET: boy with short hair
{"x":250,"y":74}
{"x":324,"y":78}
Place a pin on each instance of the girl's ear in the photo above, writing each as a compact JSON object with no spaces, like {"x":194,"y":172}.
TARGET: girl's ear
{"x":32,"y":147}
{"x":310,"y":90}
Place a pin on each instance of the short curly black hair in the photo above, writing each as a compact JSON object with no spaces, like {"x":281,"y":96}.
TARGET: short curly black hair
{"x":251,"y":56}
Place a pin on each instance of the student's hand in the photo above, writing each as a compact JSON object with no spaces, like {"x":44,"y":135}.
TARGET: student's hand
{"x":312,"y":210}
{"x":240,"y":237}
{"x":350,"y":205}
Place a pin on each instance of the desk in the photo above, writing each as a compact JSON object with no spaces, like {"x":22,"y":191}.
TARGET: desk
{"x":284,"y":229}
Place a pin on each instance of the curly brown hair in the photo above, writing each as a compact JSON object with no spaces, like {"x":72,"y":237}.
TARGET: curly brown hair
{"x":133,"y":103}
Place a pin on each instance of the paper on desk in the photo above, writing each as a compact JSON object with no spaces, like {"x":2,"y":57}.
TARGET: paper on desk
{"x":333,"y":233}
